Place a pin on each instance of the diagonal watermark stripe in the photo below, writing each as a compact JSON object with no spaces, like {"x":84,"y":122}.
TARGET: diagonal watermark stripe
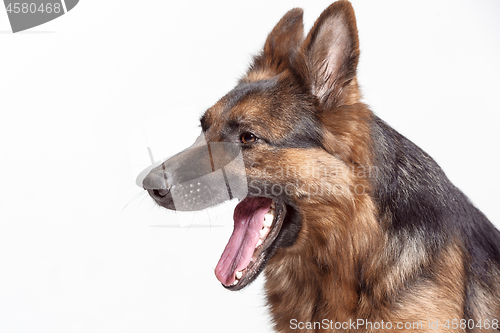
{"x":26,"y":14}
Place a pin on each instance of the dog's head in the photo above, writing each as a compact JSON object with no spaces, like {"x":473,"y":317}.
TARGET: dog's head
{"x":294,"y":122}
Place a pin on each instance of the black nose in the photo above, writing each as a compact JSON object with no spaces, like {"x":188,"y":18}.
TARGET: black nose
{"x":160,"y":193}
{"x":156,"y":184}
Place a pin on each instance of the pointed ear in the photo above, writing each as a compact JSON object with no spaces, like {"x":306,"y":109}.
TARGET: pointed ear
{"x":281,"y":45}
{"x":331,"y":53}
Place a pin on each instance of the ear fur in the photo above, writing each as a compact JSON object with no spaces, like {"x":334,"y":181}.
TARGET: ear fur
{"x":281,"y":45}
{"x":330,"y":54}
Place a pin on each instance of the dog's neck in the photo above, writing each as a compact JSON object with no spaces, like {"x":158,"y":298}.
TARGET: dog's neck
{"x":321,"y":275}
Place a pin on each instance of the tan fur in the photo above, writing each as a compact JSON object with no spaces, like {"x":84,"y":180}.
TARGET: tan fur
{"x":342,"y":235}
{"x":259,"y":75}
{"x":486,"y":302}
{"x":434,"y":302}
{"x":337,"y":232}
{"x":343,"y":239}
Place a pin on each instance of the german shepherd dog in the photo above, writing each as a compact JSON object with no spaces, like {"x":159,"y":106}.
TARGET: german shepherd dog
{"x":354,"y":226}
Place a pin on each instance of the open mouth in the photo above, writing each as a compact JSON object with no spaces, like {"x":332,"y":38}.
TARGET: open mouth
{"x":257,"y":222}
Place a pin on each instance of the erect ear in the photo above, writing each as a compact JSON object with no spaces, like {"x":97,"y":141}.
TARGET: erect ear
{"x":281,"y":45}
{"x":331,"y":53}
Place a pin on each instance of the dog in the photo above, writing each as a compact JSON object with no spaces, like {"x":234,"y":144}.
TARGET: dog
{"x":354,"y":227}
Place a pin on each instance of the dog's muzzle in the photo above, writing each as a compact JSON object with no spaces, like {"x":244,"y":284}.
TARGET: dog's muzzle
{"x":199,"y":177}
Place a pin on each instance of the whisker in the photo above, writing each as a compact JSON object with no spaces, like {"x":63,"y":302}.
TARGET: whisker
{"x":134,"y":198}
{"x":140,"y":202}
{"x":209,"y":219}
{"x":153,"y":205}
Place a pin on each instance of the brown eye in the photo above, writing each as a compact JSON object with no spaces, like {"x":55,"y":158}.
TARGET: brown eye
{"x":248,"y":138}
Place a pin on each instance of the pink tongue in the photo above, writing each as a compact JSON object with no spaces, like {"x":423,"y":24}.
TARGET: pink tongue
{"x":248,"y":220}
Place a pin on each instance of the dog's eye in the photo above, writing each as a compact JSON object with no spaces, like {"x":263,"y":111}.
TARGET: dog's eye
{"x":248,"y":138}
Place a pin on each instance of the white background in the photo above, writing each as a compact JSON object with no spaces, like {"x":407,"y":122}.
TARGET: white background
{"x":82,"y":250}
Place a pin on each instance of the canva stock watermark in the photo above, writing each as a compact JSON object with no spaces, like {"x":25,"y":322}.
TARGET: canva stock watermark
{"x":431,"y":324}
{"x":27,"y":14}
{"x":310,"y":179}
{"x":210,"y":173}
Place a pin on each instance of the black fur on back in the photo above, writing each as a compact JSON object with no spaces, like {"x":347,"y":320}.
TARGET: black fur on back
{"x":416,"y":199}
